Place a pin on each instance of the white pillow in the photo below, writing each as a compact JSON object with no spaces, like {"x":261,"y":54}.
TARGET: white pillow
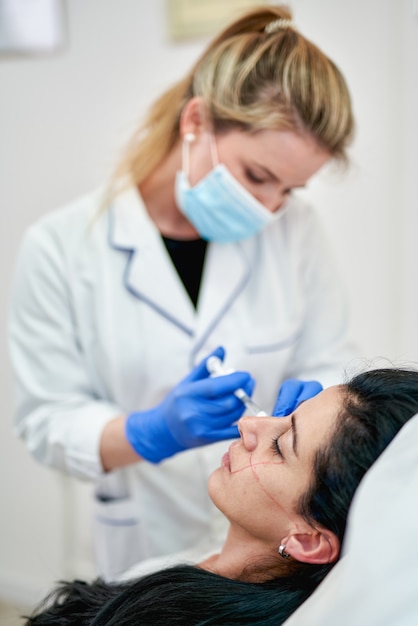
{"x":376,"y":581}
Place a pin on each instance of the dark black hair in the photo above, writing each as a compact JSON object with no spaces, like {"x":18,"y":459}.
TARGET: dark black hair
{"x":376,"y":404}
{"x":181,"y":595}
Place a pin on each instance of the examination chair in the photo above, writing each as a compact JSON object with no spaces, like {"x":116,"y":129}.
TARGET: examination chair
{"x":376,"y":581}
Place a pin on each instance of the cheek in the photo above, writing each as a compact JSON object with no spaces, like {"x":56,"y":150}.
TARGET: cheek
{"x":256,"y":494}
{"x":238,"y":172}
{"x":278,"y":487}
{"x":266,"y":193}
{"x":239,"y":494}
{"x":216,"y":485}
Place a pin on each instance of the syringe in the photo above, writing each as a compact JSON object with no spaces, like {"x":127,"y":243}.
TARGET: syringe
{"x":215,"y":366}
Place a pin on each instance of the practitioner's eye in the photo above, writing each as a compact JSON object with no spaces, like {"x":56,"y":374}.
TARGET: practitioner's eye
{"x":255,"y":178}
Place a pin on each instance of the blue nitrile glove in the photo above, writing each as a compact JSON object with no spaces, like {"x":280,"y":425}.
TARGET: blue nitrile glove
{"x":292,"y":393}
{"x":197,"y":411}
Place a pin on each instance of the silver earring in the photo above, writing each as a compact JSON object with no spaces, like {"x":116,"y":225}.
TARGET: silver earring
{"x":189,"y":137}
{"x":282,"y":552}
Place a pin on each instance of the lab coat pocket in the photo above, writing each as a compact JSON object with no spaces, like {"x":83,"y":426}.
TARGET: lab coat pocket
{"x":117,"y":537}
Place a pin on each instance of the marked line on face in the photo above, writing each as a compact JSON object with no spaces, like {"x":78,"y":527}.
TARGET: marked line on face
{"x":249,"y":466}
{"x":253,"y":467}
{"x":264,"y":490}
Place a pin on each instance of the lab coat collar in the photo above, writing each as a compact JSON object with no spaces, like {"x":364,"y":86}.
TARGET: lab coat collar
{"x":226,"y":270}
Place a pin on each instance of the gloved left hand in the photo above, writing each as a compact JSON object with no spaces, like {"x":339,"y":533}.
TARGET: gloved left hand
{"x":292,"y":393}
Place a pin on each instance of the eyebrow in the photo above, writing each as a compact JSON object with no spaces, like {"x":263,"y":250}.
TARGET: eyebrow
{"x":295,"y":434}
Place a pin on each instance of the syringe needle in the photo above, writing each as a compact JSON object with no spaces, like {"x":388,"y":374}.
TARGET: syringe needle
{"x":215,"y":366}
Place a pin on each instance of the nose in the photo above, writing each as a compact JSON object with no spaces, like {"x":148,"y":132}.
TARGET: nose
{"x":253,"y":429}
{"x":283,"y":197}
{"x":248,"y":432}
{"x":277,"y":202}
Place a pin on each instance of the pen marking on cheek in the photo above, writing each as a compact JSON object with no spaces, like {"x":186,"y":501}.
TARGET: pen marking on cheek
{"x":264,"y":490}
{"x":252,"y":465}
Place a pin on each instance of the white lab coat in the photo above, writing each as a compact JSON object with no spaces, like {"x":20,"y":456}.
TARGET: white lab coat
{"x":191,"y":556}
{"x":101,"y":325}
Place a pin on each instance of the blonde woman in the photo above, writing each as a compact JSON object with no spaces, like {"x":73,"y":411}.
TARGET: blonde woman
{"x":198,"y":243}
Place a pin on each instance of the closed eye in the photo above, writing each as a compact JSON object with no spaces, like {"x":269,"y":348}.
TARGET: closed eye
{"x":275,"y":446}
{"x":254,"y":178}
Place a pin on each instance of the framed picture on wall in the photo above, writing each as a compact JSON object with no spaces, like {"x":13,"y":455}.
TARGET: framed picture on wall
{"x":198,"y":18}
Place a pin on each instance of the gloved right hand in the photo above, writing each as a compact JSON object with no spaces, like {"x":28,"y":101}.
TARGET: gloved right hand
{"x":292,"y":392}
{"x":197,"y":411}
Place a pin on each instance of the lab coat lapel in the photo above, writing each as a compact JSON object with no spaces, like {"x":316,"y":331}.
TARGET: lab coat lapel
{"x":150,"y":275}
{"x":227,"y":271}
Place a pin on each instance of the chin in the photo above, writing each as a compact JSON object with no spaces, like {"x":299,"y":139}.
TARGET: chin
{"x":215,"y":486}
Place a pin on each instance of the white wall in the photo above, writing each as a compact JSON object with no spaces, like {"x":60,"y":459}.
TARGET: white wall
{"x":63,"y":119}
{"x":408,"y":249}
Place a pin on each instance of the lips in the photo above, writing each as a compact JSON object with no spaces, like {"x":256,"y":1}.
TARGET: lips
{"x":228,"y":457}
{"x":226,"y":463}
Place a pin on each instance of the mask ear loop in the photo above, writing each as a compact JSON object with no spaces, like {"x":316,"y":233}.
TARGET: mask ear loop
{"x":185,"y":152}
{"x":213,"y":149}
{"x":212,"y":141}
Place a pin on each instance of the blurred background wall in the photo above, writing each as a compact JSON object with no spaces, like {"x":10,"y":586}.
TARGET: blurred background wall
{"x":64,"y":118}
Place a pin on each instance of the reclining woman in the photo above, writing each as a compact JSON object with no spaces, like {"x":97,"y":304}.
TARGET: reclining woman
{"x":285,"y":486}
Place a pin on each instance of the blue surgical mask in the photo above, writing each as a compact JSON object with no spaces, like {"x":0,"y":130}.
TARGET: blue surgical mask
{"x":219,"y":207}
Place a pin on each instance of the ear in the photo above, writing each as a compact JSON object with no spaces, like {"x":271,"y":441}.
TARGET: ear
{"x":192,"y":118}
{"x":317,"y":546}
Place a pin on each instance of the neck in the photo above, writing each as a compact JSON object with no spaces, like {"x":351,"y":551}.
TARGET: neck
{"x":157,"y":192}
{"x":244,"y":557}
